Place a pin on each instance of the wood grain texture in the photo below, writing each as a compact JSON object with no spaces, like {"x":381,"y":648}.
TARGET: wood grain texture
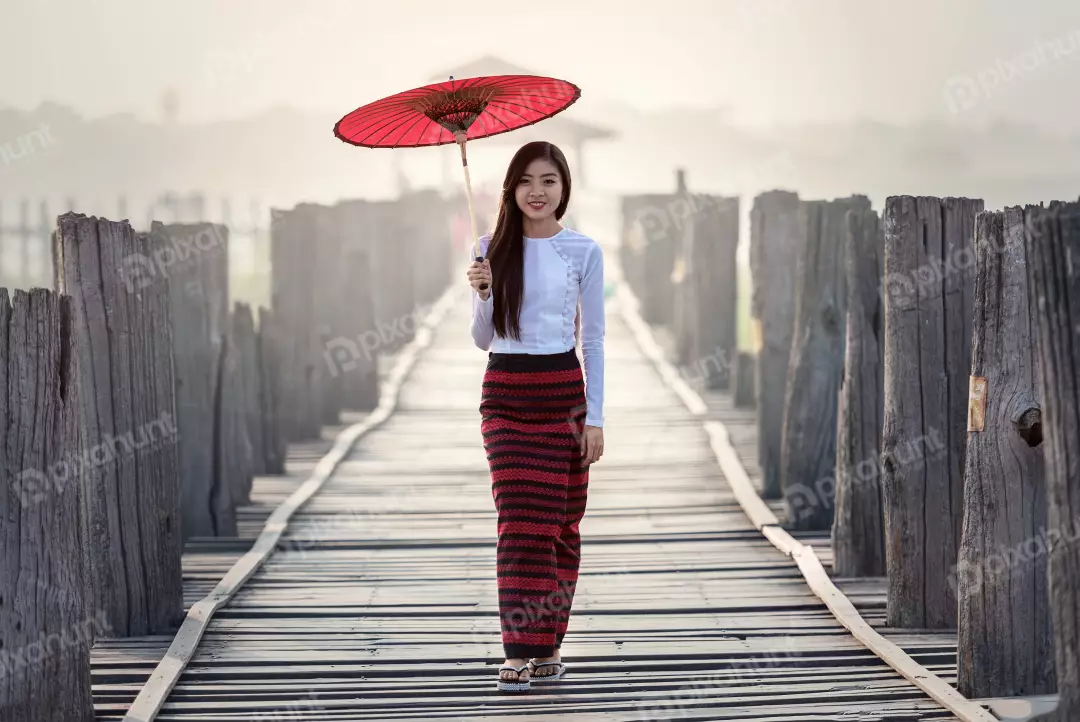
{"x":816,"y":366}
{"x":1004,"y":633}
{"x":929,"y":276}
{"x":775,"y":241}
{"x":858,"y":535}
{"x":1052,"y":243}
{"x":129,"y":477}
{"x":45,"y":630}
{"x":156,"y":445}
{"x":198,"y":286}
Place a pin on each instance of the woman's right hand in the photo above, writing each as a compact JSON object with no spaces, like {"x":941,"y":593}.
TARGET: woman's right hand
{"x":479,"y":274}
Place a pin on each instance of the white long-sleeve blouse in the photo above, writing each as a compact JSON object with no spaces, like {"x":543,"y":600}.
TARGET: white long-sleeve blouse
{"x":560,"y":271}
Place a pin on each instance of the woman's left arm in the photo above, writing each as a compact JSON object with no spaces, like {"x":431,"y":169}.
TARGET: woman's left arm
{"x":592,"y":334}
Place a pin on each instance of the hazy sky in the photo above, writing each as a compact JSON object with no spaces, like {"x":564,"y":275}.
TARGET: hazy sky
{"x":770,"y":61}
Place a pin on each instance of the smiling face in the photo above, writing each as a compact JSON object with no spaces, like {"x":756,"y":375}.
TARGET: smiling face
{"x":539,"y":191}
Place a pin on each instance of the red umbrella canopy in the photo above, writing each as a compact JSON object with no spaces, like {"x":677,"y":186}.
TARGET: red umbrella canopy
{"x":479,"y":107}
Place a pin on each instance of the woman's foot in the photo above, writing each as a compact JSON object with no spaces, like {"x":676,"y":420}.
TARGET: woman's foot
{"x":540,"y":670}
{"x":514,"y":675}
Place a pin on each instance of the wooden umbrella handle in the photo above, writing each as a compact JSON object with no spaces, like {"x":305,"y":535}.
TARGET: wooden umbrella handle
{"x":459,"y":136}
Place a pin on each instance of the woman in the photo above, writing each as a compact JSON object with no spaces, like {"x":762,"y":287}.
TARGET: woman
{"x":542,"y":427}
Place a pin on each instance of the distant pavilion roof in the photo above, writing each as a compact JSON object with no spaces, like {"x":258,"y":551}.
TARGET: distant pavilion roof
{"x":558,"y":129}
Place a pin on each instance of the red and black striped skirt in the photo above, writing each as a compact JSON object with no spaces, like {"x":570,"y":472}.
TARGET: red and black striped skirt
{"x":532,"y":420}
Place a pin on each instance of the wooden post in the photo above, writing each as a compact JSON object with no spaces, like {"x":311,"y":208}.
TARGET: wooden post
{"x":654,"y":242}
{"x":45,"y":626}
{"x":360,"y":369}
{"x":233,"y":450}
{"x":858,"y":536}
{"x":743,"y":372}
{"x":130,"y":479}
{"x":808,"y":446}
{"x":327,"y":285}
{"x":292,"y":280}
{"x":1052,"y":243}
{"x":195,"y":260}
{"x":929,"y":274}
{"x":246,"y":345}
{"x":1004,"y":641}
{"x":269,"y":364}
{"x":706,"y":284}
{"x":354,"y":355}
{"x":775,"y":242}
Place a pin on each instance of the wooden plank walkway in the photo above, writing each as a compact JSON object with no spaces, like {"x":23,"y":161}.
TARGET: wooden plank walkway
{"x":381,"y":602}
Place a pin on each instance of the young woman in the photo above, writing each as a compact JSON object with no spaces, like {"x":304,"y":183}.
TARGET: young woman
{"x":542,"y":425}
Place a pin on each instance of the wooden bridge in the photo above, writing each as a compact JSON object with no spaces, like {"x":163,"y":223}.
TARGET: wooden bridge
{"x":739,"y":561}
{"x":379,"y":601}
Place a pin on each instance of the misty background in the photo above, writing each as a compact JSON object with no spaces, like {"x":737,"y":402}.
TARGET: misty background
{"x":125,"y":108}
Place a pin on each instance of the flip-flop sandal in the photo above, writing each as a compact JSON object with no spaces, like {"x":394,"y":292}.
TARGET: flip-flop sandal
{"x":505,"y":686}
{"x":533,"y":676}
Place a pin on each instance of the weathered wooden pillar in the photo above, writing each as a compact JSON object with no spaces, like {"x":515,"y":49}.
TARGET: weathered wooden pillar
{"x":129,"y":476}
{"x":292,"y":283}
{"x":327,"y":245}
{"x":929,"y":274}
{"x":656,"y":242}
{"x":1004,"y":642}
{"x":232,"y":448}
{"x":808,"y":446}
{"x":775,"y":241}
{"x":269,"y":364}
{"x":743,"y":380}
{"x":47,"y":625}
{"x":706,"y":285}
{"x":359,"y":367}
{"x":195,"y":263}
{"x":1052,"y":243}
{"x":245,"y":344}
{"x":858,"y":536}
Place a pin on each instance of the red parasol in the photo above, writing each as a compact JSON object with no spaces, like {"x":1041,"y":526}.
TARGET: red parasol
{"x":456,"y":111}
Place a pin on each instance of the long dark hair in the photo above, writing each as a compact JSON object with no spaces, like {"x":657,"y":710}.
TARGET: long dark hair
{"x":506,"y":252}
